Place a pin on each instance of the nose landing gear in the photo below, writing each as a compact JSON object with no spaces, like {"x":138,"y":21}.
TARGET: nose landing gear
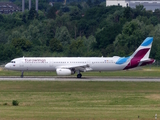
{"x":22,"y":74}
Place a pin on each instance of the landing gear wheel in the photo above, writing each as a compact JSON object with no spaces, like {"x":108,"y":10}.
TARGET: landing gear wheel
{"x":79,"y":75}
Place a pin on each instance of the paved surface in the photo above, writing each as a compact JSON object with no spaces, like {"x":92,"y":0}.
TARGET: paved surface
{"x":77,"y":79}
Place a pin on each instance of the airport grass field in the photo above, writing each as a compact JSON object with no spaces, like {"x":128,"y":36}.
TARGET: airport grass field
{"x":66,"y":100}
{"x":47,"y":100}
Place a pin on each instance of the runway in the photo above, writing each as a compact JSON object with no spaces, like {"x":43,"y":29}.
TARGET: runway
{"x":14,"y":78}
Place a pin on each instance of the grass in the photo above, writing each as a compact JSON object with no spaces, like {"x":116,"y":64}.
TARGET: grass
{"x":39,"y":100}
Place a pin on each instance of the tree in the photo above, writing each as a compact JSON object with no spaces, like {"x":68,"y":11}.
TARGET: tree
{"x":24,"y":18}
{"x":65,"y":9}
{"x":108,"y":51}
{"x":63,"y":35}
{"x":133,"y":33}
{"x":96,"y":2}
{"x":57,"y":5}
{"x":157,"y":13}
{"x":107,"y":35}
{"x":22,"y":44}
{"x":41,"y":15}
{"x":51,"y":13}
{"x":82,"y":27}
{"x":43,"y":5}
{"x":3,"y":37}
{"x":76,"y":48}
{"x":88,"y":42}
{"x":15,"y":34}
{"x":128,"y":13}
{"x":155,"y":52}
{"x":75,"y":14}
{"x":144,"y":19}
{"x":154,"y":20}
{"x":89,"y":3}
{"x":1,"y":18}
{"x":32,"y":14}
{"x":10,"y":52}
{"x":139,"y":11}
{"x":55,"y":45}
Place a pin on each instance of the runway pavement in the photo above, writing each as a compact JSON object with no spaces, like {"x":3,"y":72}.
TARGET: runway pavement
{"x":14,"y":78}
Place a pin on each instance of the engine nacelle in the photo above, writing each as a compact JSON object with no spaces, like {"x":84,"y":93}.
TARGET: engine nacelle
{"x":64,"y":72}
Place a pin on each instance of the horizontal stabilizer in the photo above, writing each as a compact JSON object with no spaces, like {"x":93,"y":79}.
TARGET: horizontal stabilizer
{"x":146,"y":61}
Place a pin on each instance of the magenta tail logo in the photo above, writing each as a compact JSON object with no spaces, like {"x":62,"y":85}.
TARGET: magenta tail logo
{"x":134,"y":62}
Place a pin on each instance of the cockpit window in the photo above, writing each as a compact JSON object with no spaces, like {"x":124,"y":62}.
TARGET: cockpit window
{"x":13,"y":62}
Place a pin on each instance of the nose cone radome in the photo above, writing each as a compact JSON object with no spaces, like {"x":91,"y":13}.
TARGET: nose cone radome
{"x":7,"y":66}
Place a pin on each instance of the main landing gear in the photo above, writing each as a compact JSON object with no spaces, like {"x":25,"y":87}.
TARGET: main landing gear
{"x":79,"y":75}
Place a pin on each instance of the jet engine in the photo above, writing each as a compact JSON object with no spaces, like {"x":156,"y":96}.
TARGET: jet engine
{"x":64,"y":72}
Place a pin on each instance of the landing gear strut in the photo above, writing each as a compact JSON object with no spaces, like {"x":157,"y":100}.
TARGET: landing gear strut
{"x":79,"y":75}
{"x":22,"y":74}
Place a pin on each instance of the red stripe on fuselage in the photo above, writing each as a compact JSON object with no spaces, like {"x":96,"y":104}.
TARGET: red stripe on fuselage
{"x":136,"y":59}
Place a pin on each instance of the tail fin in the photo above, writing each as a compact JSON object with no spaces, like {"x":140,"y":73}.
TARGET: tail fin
{"x":141,"y":56}
{"x":143,"y":51}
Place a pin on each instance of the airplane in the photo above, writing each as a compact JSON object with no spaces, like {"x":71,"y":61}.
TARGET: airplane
{"x":70,"y":65}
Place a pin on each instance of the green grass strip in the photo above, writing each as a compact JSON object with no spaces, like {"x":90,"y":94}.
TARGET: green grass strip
{"x":79,"y":100}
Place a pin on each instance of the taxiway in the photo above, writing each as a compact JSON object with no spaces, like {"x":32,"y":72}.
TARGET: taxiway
{"x":13,"y":78}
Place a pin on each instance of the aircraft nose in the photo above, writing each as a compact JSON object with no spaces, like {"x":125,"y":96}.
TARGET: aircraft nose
{"x":7,"y":66}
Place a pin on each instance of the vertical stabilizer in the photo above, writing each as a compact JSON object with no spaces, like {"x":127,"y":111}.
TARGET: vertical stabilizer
{"x":143,"y":51}
{"x":141,"y":55}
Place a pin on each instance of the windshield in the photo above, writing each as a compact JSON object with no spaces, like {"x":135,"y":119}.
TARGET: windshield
{"x":13,"y":62}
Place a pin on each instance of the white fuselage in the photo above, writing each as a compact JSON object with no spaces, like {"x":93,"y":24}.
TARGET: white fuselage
{"x":52,"y":63}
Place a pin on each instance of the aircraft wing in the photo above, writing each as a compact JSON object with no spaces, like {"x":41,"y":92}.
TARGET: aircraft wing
{"x":81,"y":67}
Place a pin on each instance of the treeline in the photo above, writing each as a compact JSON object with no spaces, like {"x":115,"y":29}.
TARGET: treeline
{"x":78,"y":29}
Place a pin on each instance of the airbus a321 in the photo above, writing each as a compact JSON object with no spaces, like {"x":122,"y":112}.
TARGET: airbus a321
{"x":71,"y":65}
